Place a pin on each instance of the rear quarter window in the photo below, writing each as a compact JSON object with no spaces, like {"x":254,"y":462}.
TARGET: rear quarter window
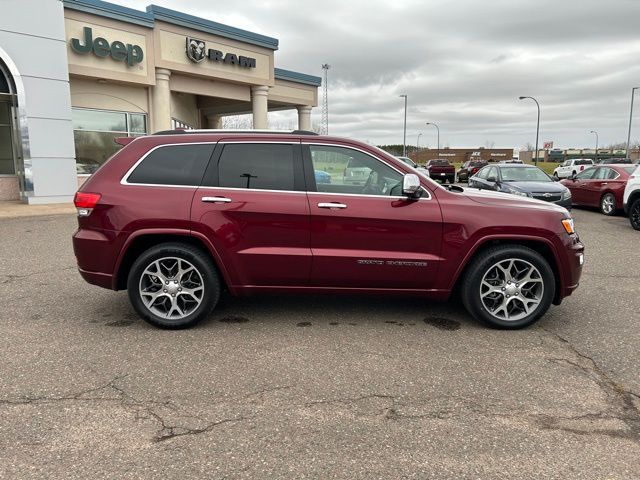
{"x":173,"y":165}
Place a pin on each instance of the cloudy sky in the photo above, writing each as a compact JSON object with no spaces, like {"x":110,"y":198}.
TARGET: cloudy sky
{"x":462,"y":63}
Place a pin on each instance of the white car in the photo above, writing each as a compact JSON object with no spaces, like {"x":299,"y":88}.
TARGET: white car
{"x":413,"y":164}
{"x":631,"y":199}
{"x":572,"y":167}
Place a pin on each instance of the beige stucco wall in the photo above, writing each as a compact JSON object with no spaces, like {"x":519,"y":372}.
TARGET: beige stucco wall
{"x":294,"y":93}
{"x":184,"y":108}
{"x":92,"y":66}
{"x":171,"y":46}
{"x":88,"y":93}
{"x":209,"y":87}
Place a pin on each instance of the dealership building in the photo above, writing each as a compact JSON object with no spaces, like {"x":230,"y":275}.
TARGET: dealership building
{"x":461,"y":155}
{"x":75,"y":74}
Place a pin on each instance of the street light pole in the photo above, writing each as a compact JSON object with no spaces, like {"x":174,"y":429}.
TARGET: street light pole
{"x":593,"y":131}
{"x":418,"y":142}
{"x":633,"y":91}
{"x":438,"y":129}
{"x":404,"y":135}
{"x":537,"y":127}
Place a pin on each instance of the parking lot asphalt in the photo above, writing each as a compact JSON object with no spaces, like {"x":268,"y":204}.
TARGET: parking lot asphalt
{"x":315,"y":386}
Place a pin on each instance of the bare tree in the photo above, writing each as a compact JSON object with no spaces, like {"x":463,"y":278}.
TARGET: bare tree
{"x":237,"y":122}
{"x":489,"y":144}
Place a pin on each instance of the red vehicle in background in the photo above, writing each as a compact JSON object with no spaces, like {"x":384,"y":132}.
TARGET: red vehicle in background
{"x":441,"y":169}
{"x":470,"y":168}
{"x":601,"y":186}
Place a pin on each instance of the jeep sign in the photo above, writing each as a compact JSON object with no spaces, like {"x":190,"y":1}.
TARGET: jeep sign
{"x":130,"y":54}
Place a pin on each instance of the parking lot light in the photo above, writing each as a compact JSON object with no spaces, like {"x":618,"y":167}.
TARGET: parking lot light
{"x":535,"y":161}
{"x":633,"y":91}
{"x":404,"y":135}
{"x":596,"y":158}
{"x":438,"y":129}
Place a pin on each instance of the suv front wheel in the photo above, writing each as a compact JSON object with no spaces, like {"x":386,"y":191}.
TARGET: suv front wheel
{"x":508,"y":286}
{"x":173,"y":285}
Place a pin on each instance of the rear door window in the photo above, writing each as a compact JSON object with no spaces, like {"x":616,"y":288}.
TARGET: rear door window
{"x":261,"y":166}
{"x":173,"y":165}
{"x":587,"y":174}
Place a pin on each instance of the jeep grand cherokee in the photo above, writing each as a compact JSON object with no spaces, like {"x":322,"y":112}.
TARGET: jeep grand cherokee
{"x":177,"y":217}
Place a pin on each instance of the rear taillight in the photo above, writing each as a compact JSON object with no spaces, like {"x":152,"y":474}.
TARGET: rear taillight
{"x":85,"y":202}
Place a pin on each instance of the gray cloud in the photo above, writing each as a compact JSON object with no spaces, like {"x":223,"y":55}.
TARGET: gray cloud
{"x":462,"y":64}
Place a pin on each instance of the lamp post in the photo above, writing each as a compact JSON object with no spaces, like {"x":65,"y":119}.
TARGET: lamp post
{"x":438,"y":129}
{"x":418,"y":142}
{"x":537,"y":127}
{"x":404,"y":135}
{"x":633,"y":91}
{"x":593,"y":131}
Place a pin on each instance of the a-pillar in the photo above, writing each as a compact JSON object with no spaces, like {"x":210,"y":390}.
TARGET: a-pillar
{"x":214,"y":121}
{"x":161,"y":99}
{"x":259,"y":95}
{"x":304,"y":118}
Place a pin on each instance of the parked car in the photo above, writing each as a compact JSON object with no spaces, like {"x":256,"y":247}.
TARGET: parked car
{"x":413,"y":164}
{"x":469,"y":168}
{"x":600,"y":186}
{"x":175,"y":218}
{"x":355,"y":173}
{"x":631,"y":199}
{"x":522,"y":180}
{"x":513,"y":160}
{"x":615,"y":161}
{"x":322,"y":176}
{"x":440,"y":169}
{"x":572,"y":167}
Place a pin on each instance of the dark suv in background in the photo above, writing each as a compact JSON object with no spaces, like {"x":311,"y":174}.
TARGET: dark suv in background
{"x":470,"y":168}
{"x":176,"y":218}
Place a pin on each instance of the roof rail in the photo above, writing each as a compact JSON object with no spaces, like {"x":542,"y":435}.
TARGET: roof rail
{"x":182,"y":131}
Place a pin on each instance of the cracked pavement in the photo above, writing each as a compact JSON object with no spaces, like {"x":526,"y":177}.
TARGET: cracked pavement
{"x":314,"y":387}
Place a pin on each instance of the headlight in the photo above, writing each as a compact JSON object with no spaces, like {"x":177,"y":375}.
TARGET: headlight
{"x":566,"y":195}
{"x":513,"y":191}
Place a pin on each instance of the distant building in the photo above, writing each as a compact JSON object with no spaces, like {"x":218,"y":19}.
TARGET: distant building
{"x":558,"y":156}
{"x":460,"y":155}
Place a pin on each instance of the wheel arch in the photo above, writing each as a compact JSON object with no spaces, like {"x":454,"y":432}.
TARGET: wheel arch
{"x":141,"y":241}
{"x":540,"y":245}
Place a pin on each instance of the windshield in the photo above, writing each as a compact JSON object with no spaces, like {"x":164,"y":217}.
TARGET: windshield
{"x":524,"y":174}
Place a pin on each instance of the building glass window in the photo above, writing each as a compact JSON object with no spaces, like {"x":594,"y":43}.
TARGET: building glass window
{"x":7,"y":166}
{"x":95,"y":132}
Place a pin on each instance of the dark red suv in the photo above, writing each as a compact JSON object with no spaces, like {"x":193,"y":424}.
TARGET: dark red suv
{"x":175,"y":218}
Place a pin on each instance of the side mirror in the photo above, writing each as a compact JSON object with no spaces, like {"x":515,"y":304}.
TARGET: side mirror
{"x":492,"y":180}
{"x":411,"y":185}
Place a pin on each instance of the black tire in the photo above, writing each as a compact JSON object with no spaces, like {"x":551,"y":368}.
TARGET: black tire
{"x":483,"y":264}
{"x":634,"y":214}
{"x":604,"y":206}
{"x":203,"y":266}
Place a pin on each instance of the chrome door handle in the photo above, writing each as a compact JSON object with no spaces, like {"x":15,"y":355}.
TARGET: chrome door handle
{"x":216,"y":199}
{"x":605,"y":183}
{"x":332,"y":205}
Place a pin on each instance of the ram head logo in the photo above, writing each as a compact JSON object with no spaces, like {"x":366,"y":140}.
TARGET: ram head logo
{"x":195,"y":49}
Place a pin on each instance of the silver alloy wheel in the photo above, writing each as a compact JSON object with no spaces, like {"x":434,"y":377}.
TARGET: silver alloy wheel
{"x":171,"y":288}
{"x":608,"y":203}
{"x":511,"y":289}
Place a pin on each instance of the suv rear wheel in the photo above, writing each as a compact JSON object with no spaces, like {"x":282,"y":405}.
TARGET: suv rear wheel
{"x":509,"y":286}
{"x":634,"y":214}
{"x":173,"y":285}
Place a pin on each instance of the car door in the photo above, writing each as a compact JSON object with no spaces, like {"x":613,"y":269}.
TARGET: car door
{"x":579,"y":186}
{"x":253,"y":209}
{"x":593,"y":187}
{"x":479,"y":180}
{"x":369,"y":236}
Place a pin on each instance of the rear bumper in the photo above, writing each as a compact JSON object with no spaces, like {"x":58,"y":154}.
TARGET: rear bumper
{"x":100,"y":279}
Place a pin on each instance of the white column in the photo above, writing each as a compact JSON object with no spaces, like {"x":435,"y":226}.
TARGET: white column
{"x":161,"y":101}
{"x":214,"y":121}
{"x":304,"y":118}
{"x":259,"y":95}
